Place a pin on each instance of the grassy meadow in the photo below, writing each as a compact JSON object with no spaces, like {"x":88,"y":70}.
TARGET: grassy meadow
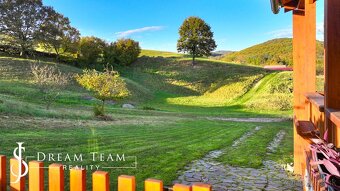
{"x":170,"y":126}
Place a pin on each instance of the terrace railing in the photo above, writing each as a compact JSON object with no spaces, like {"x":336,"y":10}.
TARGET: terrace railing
{"x":56,"y":178}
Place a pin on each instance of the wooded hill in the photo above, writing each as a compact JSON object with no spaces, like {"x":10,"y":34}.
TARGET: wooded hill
{"x":272,"y":52}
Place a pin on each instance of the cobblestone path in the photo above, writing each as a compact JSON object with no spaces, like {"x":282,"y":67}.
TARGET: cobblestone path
{"x":271,"y":177}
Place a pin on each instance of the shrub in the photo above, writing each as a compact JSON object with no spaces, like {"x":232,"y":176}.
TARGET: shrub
{"x":123,"y":52}
{"x":107,"y":85}
{"x":91,"y":50}
{"x":50,"y":81}
{"x":148,"y":108}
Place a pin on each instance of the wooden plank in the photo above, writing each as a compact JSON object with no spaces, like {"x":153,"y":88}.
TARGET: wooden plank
{"x":3,"y":177}
{"x":36,"y":176}
{"x":56,"y":177}
{"x":181,"y":187}
{"x":14,"y":184}
{"x":201,"y":187}
{"x":317,"y":100}
{"x":100,"y":181}
{"x":153,"y":185}
{"x":77,"y":179}
{"x":332,"y":65}
{"x":126,"y":183}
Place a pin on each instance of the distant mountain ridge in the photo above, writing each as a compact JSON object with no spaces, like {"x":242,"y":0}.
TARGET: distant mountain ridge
{"x":273,"y":52}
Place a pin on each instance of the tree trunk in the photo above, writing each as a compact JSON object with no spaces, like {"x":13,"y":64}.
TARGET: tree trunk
{"x":193,"y":60}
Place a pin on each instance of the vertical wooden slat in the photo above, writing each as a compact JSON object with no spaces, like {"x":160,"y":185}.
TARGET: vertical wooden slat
{"x":126,"y":183}
{"x":332,"y":64}
{"x":3,"y":177}
{"x":153,"y":185}
{"x":181,"y":187}
{"x":201,"y":187}
{"x":77,"y":179}
{"x":20,"y":185}
{"x":56,"y":177}
{"x":304,"y":70}
{"x":100,"y":181}
{"x":36,"y":176}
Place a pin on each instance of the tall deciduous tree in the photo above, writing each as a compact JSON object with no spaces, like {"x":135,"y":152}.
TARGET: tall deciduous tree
{"x":196,"y":38}
{"x":21,"y":19}
{"x":56,"y":33}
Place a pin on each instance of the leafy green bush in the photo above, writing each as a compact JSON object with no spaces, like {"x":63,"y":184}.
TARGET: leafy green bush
{"x":91,"y":50}
{"x":98,"y":110}
{"x":284,"y":84}
{"x":123,"y":52}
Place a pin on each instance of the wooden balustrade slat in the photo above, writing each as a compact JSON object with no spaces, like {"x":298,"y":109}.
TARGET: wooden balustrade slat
{"x":36,"y":176}
{"x":181,"y":187}
{"x":56,"y":177}
{"x":100,"y":181}
{"x":77,"y":179}
{"x":3,"y":177}
{"x":153,"y":185}
{"x":126,"y":183}
{"x":14,"y":184}
{"x":201,"y":187}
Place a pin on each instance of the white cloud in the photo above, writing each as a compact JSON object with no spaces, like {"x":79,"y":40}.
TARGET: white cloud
{"x":140,"y":30}
{"x":288,"y":32}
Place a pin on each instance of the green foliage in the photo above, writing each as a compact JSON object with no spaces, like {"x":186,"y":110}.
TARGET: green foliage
{"x":21,"y":21}
{"x":107,"y":85}
{"x":98,"y":110}
{"x":123,"y":52}
{"x":56,"y":33}
{"x":273,"y":52}
{"x":196,"y":38}
{"x":91,"y":50}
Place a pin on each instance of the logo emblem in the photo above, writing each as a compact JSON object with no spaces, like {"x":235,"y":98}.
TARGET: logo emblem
{"x":17,"y":153}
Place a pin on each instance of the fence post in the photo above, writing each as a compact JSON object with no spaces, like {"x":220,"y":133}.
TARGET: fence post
{"x":126,"y":183}
{"x":201,"y":187}
{"x":181,"y":187}
{"x":14,"y":184}
{"x":100,"y":181}
{"x":3,"y":177}
{"x":153,"y":185}
{"x":77,"y":179}
{"x":36,"y":176}
{"x":56,"y":177}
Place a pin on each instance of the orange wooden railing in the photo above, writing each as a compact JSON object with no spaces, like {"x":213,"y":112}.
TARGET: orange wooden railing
{"x":100,"y":179}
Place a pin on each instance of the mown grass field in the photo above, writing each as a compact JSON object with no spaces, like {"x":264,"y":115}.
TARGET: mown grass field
{"x":164,"y":139}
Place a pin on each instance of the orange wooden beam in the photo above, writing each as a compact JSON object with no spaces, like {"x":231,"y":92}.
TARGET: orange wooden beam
{"x":181,"y":187}
{"x":77,"y":179}
{"x":201,"y":187}
{"x":36,"y":176}
{"x":126,"y":183}
{"x":56,"y":177}
{"x":153,"y":185}
{"x":100,"y":181}
{"x":14,"y":184}
{"x":3,"y":177}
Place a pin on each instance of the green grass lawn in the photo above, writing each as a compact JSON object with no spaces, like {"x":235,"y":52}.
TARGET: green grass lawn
{"x":165,"y":139}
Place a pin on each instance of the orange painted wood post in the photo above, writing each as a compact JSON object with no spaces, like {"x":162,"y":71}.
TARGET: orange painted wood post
{"x":36,"y":176}
{"x":304,"y":71}
{"x":56,"y":177}
{"x":201,"y":187}
{"x":181,"y":187}
{"x":3,"y":177}
{"x":77,"y":179}
{"x":332,"y":64}
{"x":14,"y":184}
{"x":126,"y":183}
{"x":153,"y":185}
{"x":100,"y":181}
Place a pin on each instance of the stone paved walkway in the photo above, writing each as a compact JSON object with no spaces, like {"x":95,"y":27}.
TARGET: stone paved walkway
{"x":271,"y":177}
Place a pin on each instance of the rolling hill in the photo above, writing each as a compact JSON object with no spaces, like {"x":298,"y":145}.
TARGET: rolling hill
{"x":272,"y":52}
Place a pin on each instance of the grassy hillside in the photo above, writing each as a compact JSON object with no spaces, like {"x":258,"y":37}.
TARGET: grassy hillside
{"x":273,"y":52}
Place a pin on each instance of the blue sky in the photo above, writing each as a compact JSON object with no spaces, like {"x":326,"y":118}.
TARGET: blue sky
{"x":237,"y":24}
